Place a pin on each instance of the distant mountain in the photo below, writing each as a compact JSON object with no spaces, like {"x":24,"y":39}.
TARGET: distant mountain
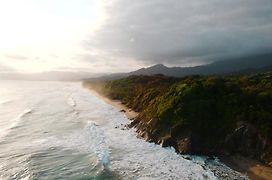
{"x":156,"y":69}
{"x":49,"y":76}
{"x":220,"y":67}
{"x":256,"y":63}
{"x":253,"y":70}
{"x":238,"y":64}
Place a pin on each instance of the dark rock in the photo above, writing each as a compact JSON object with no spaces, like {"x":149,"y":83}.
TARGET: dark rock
{"x":184,"y":145}
{"x":211,"y":158}
{"x":167,"y":141}
{"x":187,"y":157}
{"x":123,"y":110}
{"x":247,"y":141}
{"x":134,"y":123}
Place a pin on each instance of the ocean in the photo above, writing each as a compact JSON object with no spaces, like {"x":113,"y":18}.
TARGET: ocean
{"x":59,"y":130}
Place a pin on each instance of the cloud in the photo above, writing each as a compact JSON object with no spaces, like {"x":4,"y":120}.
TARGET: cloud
{"x":16,"y":57}
{"x":182,"y":32}
{"x":5,"y":69}
{"x":104,"y":62}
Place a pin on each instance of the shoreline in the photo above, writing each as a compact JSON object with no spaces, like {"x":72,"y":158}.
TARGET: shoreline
{"x":116,"y":103}
{"x":251,"y":168}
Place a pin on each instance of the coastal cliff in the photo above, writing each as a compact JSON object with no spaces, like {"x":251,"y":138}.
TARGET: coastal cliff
{"x":207,"y":115}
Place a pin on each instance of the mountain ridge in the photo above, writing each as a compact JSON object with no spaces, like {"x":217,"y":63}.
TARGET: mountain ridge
{"x":232,"y":66}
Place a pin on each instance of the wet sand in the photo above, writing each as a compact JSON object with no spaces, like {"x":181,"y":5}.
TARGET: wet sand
{"x":117,"y":104}
{"x":252,"y":168}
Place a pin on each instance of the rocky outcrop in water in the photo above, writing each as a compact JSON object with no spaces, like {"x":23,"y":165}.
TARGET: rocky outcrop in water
{"x":245,"y":140}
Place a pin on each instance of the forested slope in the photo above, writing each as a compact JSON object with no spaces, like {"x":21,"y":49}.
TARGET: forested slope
{"x":200,"y":114}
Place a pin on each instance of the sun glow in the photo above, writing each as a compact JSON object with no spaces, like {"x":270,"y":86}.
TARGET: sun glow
{"x":36,"y":29}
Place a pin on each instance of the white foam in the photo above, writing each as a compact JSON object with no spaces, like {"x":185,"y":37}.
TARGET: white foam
{"x":25,"y":112}
{"x":135,"y":158}
{"x":142,"y":160}
{"x":122,"y":152}
{"x":71,"y":102}
{"x":89,"y":140}
{"x":99,"y":144}
{"x":95,"y":134}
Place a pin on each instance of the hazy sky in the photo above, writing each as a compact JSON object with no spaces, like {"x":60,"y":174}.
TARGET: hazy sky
{"x":122,"y":35}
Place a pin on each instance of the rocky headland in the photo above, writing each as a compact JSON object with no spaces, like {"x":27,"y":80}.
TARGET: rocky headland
{"x":199,"y":115}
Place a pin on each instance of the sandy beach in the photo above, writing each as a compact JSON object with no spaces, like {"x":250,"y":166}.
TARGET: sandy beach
{"x":252,"y":168}
{"x":117,"y":104}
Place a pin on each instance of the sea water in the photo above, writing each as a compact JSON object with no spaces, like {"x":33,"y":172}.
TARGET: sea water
{"x":59,"y":130}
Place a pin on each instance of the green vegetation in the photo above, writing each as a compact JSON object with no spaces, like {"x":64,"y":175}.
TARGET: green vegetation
{"x":206,"y":109}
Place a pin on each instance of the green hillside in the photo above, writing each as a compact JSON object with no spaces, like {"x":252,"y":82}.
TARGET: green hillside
{"x":200,"y":114}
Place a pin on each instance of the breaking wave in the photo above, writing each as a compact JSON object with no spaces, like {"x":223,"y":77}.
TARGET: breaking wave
{"x":15,"y":123}
{"x":79,"y":136}
{"x":3,"y":102}
{"x":99,"y":144}
{"x":90,"y":140}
